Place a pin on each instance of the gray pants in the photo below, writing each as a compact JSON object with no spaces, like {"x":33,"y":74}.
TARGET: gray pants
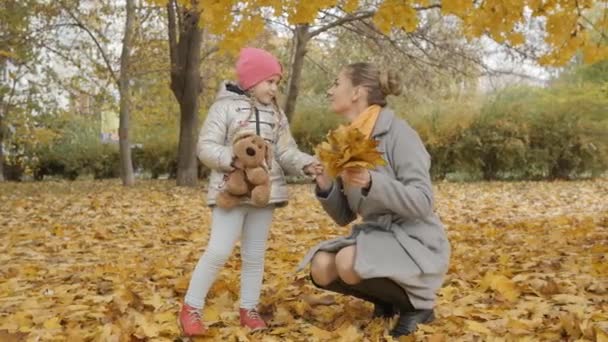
{"x":252,"y":225}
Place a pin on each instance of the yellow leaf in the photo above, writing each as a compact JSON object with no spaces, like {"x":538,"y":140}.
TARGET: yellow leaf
{"x":351,"y":5}
{"x":477,"y":327}
{"x":501,"y":284}
{"x":438,"y":338}
{"x":349,"y":333}
{"x":314,"y":300}
{"x":569,"y":299}
{"x":156,"y":301}
{"x":145,"y":328}
{"x":601,"y":335}
{"x":457,"y":7}
{"x":516,"y":38}
{"x":518,"y":327}
{"x":211,"y":313}
{"x":322,"y":335}
{"x":52,"y":323}
{"x":283,"y":316}
{"x":164,"y":317}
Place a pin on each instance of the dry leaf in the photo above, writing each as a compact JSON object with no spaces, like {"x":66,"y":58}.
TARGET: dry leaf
{"x":477,"y":327}
{"x":501,"y":284}
{"x":347,"y":147}
{"x":322,"y":335}
{"x":316,"y":300}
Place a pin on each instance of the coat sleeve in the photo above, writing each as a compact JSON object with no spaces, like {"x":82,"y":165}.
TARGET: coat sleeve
{"x":212,"y":148}
{"x":410,"y":193}
{"x":289,"y":157}
{"x":335,"y":203}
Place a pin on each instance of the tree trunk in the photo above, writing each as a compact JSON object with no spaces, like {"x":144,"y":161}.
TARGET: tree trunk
{"x":1,"y":151}
{"x":4,"y":102}
{"x":126,"y":164}
{"x":300,"y":39}
{"x":186,"y":86}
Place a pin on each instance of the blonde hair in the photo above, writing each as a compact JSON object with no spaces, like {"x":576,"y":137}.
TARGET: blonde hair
{"x":379,"y":83}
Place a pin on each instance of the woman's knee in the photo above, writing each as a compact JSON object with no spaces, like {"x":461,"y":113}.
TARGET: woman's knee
{"x":345,"y":265}
{"x":323,"y":268}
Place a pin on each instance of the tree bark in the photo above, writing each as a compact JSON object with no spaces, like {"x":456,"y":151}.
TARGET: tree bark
{"x":186,"y":86}
{"x":301,"y":38}
{"x":1,"y":151}
{"x":126,"y":164}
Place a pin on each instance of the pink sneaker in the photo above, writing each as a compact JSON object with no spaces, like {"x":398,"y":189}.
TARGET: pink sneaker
{"x":191,"y":321}
{"x":252,"y":319}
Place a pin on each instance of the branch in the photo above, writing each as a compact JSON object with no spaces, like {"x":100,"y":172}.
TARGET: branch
{"x":317,"y":64}
{"x":8,"y":103}
{"x":172,"y":32}
{"x":270,"y":21}
{"x":425,"y":8}
{"x":346,"y":19}
{"x":497,"y":72}
{"x":209,"y":52}
{"x":101,"y":50}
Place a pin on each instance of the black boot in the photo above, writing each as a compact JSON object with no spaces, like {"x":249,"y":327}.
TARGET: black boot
{"x":384,"y":310}
{"x":408,"y":321}
{"x":388,"y":291}
{"x":385,"y":291}
{"x":381,"y":309}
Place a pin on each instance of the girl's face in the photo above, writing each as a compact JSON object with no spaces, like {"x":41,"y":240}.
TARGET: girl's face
{"x":342,"y":94}
{"x":266,"y":91}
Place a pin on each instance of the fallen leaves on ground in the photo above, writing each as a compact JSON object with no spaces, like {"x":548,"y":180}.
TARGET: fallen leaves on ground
{"x":96,"y":261}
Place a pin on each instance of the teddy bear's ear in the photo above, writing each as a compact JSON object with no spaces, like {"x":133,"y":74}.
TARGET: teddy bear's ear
{"x":268,"y":155}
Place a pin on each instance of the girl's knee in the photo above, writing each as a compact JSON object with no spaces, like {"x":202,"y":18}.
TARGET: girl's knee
{"x":218,"y":255}
{"x":323,"y":268}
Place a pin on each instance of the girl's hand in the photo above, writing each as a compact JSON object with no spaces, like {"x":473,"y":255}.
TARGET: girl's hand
{"x":358,"y":177}
{"x":313,"y":169}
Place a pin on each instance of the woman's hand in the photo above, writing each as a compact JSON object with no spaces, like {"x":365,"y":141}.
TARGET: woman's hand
{"x":358,"y":177}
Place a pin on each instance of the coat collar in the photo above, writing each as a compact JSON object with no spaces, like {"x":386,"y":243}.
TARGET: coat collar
{"x":384,"y":122}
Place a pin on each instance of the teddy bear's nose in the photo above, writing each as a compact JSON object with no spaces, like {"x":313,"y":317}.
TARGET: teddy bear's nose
{"x":250,"y":151}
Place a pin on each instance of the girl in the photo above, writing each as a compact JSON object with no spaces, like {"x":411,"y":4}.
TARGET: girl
{"x":249,"y":106}
{"x":398,"y":256}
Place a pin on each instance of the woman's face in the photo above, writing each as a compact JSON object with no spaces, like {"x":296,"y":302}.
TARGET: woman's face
{"x":342,"y":95}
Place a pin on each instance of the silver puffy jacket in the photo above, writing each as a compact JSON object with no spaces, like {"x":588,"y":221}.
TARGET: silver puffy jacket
{"x":234,"y":113}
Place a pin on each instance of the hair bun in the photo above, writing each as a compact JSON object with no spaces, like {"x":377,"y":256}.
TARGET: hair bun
{"x":390,"y":82}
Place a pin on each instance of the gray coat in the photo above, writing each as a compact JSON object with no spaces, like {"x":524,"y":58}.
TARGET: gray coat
{"x":400,"y":236}
{"x":233,"y":113}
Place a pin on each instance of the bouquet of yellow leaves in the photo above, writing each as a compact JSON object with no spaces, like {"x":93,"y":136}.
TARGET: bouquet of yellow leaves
{"x":347,"y":147}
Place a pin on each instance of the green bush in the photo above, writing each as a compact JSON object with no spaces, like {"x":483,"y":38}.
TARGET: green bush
{"x":311,"y":123}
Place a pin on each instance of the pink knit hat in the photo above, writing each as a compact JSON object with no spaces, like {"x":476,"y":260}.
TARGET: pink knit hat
{"x":256,"y":65}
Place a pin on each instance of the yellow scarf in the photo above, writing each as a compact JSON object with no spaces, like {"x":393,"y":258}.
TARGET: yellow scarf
{"x":366,"y":121}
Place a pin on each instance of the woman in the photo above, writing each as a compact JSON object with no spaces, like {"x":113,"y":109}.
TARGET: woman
{"x":398,"y":255}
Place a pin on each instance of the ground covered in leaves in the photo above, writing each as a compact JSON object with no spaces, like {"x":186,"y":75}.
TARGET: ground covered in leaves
{"x":95,"y":261}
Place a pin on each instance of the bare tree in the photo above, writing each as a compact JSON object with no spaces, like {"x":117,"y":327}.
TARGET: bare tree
{"x":185,"y":54}
{"x":126,"y":164}
{"x":121,"y":81}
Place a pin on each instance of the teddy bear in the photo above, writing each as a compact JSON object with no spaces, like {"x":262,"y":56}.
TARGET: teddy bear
{"x":250,"y":178}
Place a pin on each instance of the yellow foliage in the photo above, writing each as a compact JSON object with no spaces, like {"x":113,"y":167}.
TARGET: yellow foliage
{"x":565,"y":25}
{"x":396,"y":14}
